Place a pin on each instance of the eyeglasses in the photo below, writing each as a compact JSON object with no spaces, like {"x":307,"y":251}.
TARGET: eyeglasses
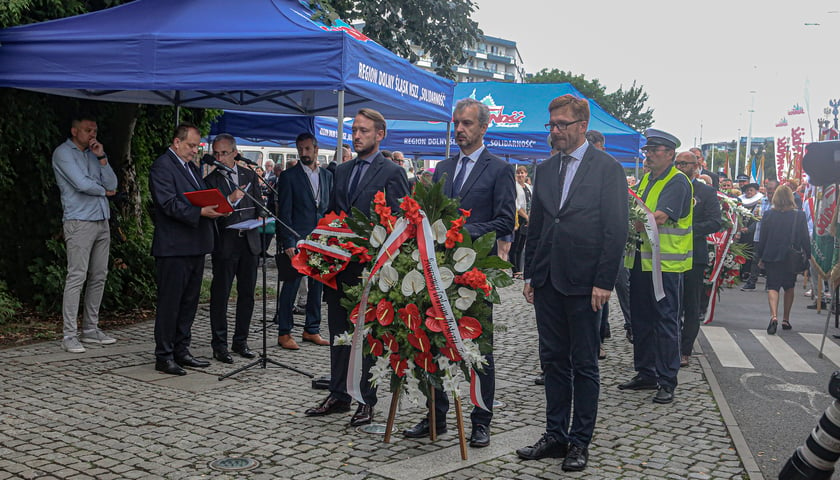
{"x":560,"y":125}
{"x":649,"y":150}
{"x":222,"y":153}
{"x":683,"y":164}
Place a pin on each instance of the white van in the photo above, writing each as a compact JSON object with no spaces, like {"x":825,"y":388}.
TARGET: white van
{"x":281,"y":155}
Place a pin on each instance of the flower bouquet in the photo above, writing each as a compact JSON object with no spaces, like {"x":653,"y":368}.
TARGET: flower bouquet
{"x":425,"y":300}
{"x":328,"y":250}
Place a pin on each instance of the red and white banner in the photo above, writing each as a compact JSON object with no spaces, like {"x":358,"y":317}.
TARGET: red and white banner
{"x":652,"y":231}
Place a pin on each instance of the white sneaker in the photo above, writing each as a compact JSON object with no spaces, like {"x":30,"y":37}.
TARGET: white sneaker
{"x":72,"y":345}
{"x":97,"y":336}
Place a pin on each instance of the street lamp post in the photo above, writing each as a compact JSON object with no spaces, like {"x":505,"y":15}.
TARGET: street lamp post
{"x":835,"y":109}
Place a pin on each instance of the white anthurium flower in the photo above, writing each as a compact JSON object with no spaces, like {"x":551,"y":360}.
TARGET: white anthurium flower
{"x":412,"y":283}
{"x":415,"y":255}
{"x":439,"y":231}
{"x":388,"y":277}
{"x":446,"y":277}
{"x":466,"y":297}
{"x":464,"y":258}
{"x":378,"y":236}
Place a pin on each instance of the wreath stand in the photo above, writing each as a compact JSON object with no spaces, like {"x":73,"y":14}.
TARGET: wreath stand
{"x":392,"y":413}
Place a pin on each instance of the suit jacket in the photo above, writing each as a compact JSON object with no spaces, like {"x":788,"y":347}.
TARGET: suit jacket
{"x":381,"y":174}
{"x":706,"y":219}
{"x":489,"y":193}
{"x":714,"y":176}
{"x":180,"y":230}
{"x":779,"y":231}
{"x":226,"y":238}
{"x":579,"y":246}
{"x":298,"y":208}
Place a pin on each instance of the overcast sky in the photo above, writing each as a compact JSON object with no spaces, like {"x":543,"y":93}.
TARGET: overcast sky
{"x":698,"y":61}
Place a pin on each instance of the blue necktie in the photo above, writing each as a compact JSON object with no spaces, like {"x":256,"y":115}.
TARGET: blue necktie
{"x":354,"y":182}
{"x":564,"y":162}
{"x":459,"y":179}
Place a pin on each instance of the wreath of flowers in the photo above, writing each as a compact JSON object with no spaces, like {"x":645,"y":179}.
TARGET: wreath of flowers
{"x":404,"y":328}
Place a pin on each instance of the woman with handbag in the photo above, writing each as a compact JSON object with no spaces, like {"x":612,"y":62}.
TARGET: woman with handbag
{"x":784,"y":250}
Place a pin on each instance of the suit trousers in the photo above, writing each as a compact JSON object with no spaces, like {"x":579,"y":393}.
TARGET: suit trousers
{"x":339,"y":322}
{"x":693,"y":295}
{"x":622,"y":292}
{"x":656,"y":326}
{"x":285,"y":320}
{"x":178,"y":288}
{"x":569,"y":336}
{"x":518,"y":248}
{"x":242,"y":265}
{"x":88,"y":244}
{"x":487,"y":382}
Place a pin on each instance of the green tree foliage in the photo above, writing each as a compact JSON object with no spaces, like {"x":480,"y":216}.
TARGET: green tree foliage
{"x":441,"y":28}
{"x":626,"y":105}
{"x":33,"y":125}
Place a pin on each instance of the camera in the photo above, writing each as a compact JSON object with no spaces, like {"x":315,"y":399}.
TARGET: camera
{"x":815,"y":460}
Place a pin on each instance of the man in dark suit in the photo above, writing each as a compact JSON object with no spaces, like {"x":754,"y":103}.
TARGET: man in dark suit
{"x":235,"y":252}
{"x":183,"y":235}
{"x":706,"y":220}
{"x":579,"y":213}
{"x":702,"y":170}
{"x":355,"y":184}
{"x":304,"y":195}
{"x":485,"y":185}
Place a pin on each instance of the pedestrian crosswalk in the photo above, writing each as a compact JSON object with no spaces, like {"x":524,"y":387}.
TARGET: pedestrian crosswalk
{"x":789,"y":351}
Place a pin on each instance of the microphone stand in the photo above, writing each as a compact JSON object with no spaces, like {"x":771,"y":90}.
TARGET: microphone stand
{"x":263,"y":361}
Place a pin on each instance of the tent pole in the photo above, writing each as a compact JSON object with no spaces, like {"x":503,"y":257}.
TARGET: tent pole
{"x":177,"y":115}
{"x":448,"y":133}
{"x":339,"y":141}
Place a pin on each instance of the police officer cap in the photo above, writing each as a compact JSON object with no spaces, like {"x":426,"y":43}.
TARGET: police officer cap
{"x":658,"y":137}
{"x":742,"y":178}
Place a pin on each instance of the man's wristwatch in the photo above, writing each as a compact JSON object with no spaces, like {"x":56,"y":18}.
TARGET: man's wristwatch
{"x":100,"y":157}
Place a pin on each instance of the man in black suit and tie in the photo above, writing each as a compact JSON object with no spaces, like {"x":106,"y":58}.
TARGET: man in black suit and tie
{"x":579,"y":214}
{"x":706,"y":220}
{"x":304,"y":195}
{"x":183,"y":235}
{"x":355,"y":184}
{"x":235,"y":252}
{"x":485,"y":185}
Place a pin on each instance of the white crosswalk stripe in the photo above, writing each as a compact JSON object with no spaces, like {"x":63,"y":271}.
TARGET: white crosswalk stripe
{"x":782,"y":352}
{"x":731,"y":355}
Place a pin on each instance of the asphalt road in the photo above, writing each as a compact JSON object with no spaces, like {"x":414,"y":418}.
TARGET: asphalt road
{"x":775,"y":385}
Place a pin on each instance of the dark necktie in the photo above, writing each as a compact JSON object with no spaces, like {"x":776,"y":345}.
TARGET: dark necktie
{"x":459,"y":179}
{"x":354,"y":182}
{"x":189,"y":172}
{"x":564,"y":163}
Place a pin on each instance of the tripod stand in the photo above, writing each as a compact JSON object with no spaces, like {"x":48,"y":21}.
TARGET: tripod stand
{"x":264,"y":360}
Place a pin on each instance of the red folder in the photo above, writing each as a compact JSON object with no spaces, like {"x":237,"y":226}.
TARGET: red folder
{"x":213,"y":196}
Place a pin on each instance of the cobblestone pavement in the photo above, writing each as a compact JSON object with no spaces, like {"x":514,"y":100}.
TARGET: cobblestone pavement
{"x":106,"y":414}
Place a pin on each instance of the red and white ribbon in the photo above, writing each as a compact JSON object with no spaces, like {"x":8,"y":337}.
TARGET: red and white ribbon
{"x":722,"y":241}
{"x":652,"y":231}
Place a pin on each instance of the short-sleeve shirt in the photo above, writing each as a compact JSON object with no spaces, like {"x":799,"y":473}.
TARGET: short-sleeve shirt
{"x":675,"y":198}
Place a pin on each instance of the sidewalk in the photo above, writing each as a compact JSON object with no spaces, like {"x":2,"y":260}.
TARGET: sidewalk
{"x":107,"y":414}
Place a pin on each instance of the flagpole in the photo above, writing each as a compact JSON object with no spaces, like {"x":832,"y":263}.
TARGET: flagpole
{"x":749,"y":131}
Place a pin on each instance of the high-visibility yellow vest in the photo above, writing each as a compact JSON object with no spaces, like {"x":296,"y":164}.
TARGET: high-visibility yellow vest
{"x":675,"y":241}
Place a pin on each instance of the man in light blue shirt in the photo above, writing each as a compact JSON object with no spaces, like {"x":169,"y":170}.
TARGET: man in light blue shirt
{"x":85,"y":180}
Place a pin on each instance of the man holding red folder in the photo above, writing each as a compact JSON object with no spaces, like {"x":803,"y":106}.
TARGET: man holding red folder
{"x":183,"y":236}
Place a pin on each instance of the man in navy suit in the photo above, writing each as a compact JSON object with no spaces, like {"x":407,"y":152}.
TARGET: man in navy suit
{"x":235,"y":253}
{"x":578,"y":214}
{"x":485,"y":185}
{"x":355,"y":184}
{"x":183,"y":236}
{"x":304,"y":194}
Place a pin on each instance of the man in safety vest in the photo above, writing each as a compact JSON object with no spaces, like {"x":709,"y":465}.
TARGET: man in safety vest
{"x":667,"y":192}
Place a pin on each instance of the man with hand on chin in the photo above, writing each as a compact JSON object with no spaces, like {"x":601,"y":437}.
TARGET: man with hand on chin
{"x":579,"y":213}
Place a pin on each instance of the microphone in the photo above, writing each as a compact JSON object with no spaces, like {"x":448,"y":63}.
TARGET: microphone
{"x":240,"y":158}
{"x":208,"y":159}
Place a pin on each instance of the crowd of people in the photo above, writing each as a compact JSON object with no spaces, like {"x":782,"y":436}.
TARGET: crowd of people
{"x":573,"y":205}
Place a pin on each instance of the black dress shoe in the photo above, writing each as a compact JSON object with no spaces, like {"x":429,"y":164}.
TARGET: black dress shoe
{"x":328,"y":406}
{"x":638,"y":383}
{"x":223,"y":357}
{"x":244,"y":351}
{"x":363,"y":415}
{"x":540,"y":379}
{"x":548,"y":446}
{"x":480,"y":436}
{"x":422,"y":429}
{"x":576,"y":459}
{"x":190,"y":361}
{"x":664,"y":395}
{"x":170,"y":367}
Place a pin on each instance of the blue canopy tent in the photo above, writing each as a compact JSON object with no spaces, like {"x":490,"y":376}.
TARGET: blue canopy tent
{"x":518,"y":113}
{"x":254,"y":55}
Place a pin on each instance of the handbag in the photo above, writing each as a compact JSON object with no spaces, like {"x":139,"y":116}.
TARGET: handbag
{"x":796,"y":259}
